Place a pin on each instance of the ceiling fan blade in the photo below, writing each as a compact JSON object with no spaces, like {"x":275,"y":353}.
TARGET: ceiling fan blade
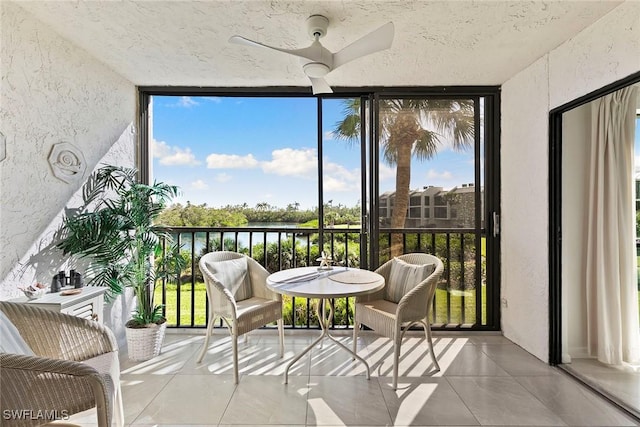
{"x":310,"y":52}
{"x":375,"y":41}
{"x":319,"y":85}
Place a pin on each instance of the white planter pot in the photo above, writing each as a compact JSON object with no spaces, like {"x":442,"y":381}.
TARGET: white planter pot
{"x":145,"y":343}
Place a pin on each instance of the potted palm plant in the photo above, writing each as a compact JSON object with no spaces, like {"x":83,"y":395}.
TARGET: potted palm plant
{"x":117,"y":233}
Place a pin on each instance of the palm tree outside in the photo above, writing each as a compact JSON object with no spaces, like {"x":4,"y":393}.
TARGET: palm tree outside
{"x":411,"y":127}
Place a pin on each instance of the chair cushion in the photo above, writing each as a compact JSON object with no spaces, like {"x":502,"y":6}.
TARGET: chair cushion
{"x":404,"y":277}
{"x":233,"y":275}
{"x":10,"y":339}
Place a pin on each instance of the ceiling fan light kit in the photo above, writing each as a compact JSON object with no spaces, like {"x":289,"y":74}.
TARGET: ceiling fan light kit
{"x":318,"y":61}
{"x":316,"y":70}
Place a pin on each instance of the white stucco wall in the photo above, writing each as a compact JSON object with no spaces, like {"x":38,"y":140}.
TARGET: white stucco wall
{"x":524,"y":156}
{"x":576,"y":146}
{"x":51,"y":91}
{"x":601,"y":54}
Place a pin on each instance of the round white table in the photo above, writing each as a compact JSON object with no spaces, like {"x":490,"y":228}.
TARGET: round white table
{"x":323,"y":285}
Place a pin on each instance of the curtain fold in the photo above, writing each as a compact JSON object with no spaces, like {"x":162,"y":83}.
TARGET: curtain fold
{"x":613,"y":330}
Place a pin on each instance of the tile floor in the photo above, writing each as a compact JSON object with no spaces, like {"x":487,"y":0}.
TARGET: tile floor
{"x":620,"y":386}
{"x":485,"y":380}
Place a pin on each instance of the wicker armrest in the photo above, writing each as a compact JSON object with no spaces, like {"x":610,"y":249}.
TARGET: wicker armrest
{"x":35,"y":383}
{"x":59,"y":336}
{"x":43,"y":364}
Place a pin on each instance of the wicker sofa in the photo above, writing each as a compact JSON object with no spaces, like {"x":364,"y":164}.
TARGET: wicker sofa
{"x":74,"y":367}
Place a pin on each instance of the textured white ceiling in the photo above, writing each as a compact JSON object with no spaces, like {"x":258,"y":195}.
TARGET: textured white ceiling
{"x":185,"y":43}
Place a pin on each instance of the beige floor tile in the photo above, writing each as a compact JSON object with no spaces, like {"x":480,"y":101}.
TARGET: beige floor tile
{"x":331,"y":359}
{"x":623,"y":387}
{"x":190,"y":399}
{"x":254,"y":358}
{"x":327,"y":388}
{"x":69,"y":424}
{"x":170,"y":361}
{"x":415,"y":360}
{"x":138,"y":391}
{"x":515,"y":361}
{"x":176,"y":425}
{"x":489,"y":339}
{"x":502,"y":401}
{"x":346,"y":401}
{"x":263,"y":425}
{"x":267,"y":361}
{"x":574,"y":403}
{"x":266,"y":400}
{"x":467,"y":360}
{"x":425,"y":401}
{"x":178,"y":337}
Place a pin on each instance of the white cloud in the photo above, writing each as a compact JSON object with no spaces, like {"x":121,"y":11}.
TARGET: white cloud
{"x":199,"y":185}
{"x":172,"y":155}
{"x":332,"y":183}
{"x":231,"y":161}
{"x":160,"y":149}
{"x":288,"y":161}
{"x":187,"y":102}
{"x":215,"y":99}
{"x":339,"y":178}
{"x":386,"y":172}
{"x":433,"y":174}
{"x":223,"y":177}
{"x":329,"y":136}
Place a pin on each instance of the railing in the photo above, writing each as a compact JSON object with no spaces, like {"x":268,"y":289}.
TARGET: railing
{"x":460,"y":299}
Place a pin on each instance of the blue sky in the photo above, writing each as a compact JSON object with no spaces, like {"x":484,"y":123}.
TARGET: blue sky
{"x":231,"y":150}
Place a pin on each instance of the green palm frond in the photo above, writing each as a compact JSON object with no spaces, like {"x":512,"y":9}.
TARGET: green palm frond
{"x":120,"y":237}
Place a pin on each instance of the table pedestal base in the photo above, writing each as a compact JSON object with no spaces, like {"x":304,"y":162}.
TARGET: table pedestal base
{"x":324,"y":318}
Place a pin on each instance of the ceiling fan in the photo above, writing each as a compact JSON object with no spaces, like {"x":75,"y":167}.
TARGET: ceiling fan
{"x":318,"y":61}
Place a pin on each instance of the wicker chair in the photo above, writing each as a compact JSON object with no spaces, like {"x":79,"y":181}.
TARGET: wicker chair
{"x":392,"y":320}
{"x":75,"y":368}
{"x":240,"y":317}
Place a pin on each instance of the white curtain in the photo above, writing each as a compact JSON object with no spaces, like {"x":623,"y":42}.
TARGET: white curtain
{"x":612,"y":293}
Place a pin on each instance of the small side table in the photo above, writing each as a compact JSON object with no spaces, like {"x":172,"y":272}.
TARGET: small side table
{"x":88,"y":304}
{"x":310,"y":282}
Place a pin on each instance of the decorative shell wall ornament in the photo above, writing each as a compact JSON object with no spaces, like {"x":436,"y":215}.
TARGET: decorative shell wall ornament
{"x":3,"y":147}
{"x":67,"y":162}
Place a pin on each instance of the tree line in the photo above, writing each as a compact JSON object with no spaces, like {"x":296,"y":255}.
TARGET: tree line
{"x":202,"y":215}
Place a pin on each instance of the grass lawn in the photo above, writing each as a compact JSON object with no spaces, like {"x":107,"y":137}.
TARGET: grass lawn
{"x":443,"y":315}
{"x":171,"y":304}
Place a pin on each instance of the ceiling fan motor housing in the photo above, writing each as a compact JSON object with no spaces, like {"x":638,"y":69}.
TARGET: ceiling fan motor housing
{"x":317,"y":26}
